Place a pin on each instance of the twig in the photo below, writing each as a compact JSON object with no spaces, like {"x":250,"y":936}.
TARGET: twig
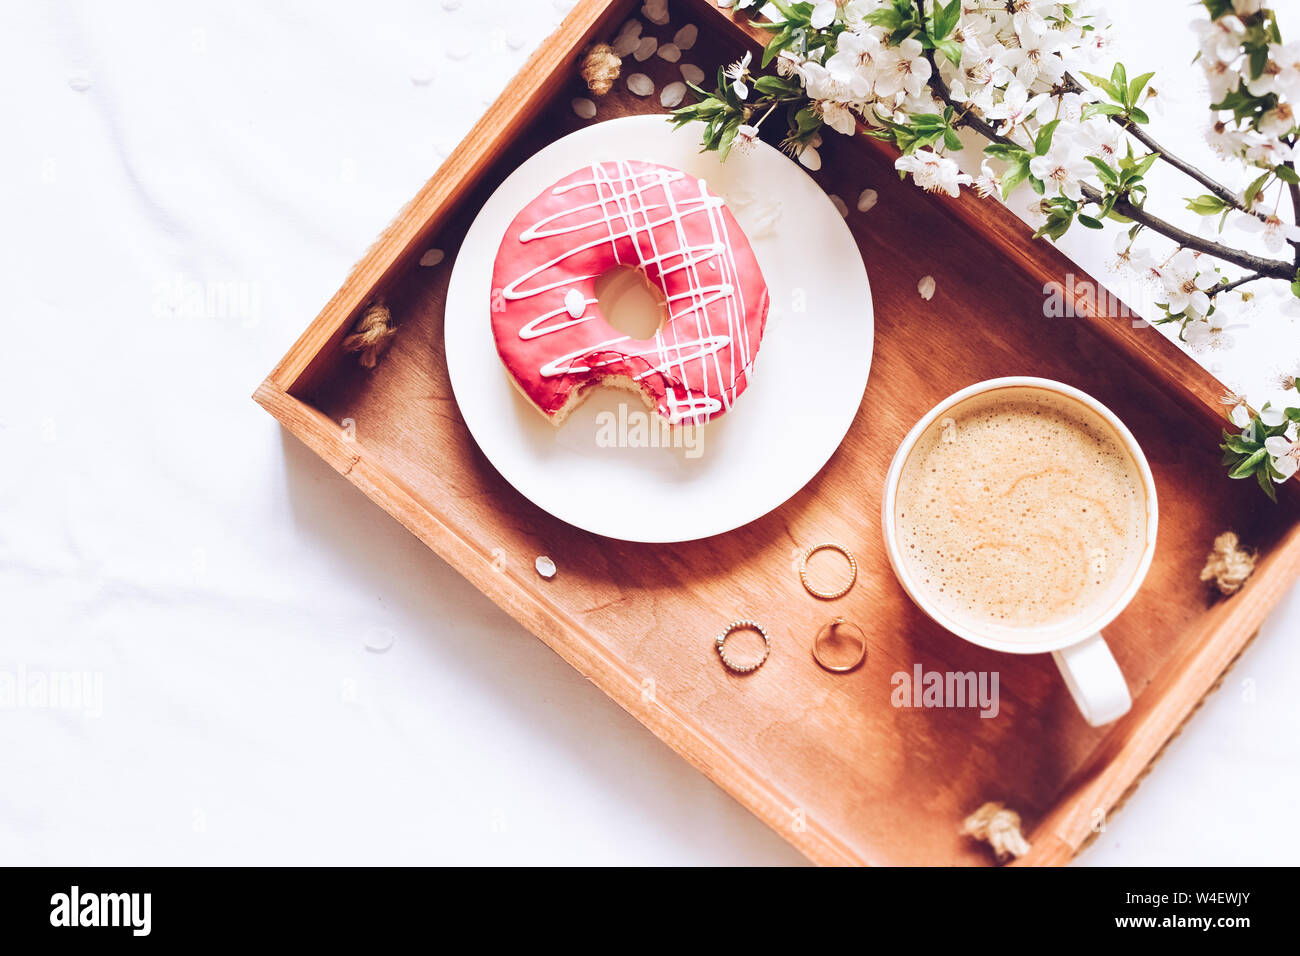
{"x":1226,"y":286}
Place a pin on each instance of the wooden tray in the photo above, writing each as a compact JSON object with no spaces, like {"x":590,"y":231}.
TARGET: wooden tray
{"x":823,"y":759}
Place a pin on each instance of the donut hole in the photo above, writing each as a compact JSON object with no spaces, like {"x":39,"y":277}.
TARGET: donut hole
{"x":630,"y":302}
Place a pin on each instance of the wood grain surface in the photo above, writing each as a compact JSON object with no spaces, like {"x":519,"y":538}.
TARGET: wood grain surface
{"x":822,"y":758}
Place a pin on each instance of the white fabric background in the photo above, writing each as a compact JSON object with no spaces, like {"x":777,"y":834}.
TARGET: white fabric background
{"x":157,"y":530}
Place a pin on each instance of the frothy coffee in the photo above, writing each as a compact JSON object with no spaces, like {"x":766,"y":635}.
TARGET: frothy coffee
{"x":1021,"y":509}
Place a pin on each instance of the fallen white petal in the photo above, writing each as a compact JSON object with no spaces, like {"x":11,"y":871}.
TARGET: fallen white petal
{"x":670,"y":52}
{"x":632,"y":27}
{"x":672,"y":94}
{"x":645,"y":49}
{"x":584,"y":107}
{"x":626,"y":44}
{"x":640,"y":84}
{"x":379,"y":641}
{"x":810,"y":158}
{"x":840,"y":205}
{"x":656,"y":11}
{"x":867,"y":199}
{"x":692,"y":73}
{"x":432,"y":257}
{"x":686,"y":36}
{"x":545,"y":566}
{"x":926,"y":287}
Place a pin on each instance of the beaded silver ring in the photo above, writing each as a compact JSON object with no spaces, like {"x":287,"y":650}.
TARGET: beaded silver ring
{"x":828,"y":546}
{"x":739,"y":625}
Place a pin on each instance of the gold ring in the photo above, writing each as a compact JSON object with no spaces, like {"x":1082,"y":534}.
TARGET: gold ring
{"x":826,"y":632}
{"x":740,"y":625}
{"x":803,"y":571}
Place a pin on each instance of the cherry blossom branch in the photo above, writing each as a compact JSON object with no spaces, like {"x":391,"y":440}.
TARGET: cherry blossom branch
{"x":1135,"y":130}
{"x":1272,"y":268}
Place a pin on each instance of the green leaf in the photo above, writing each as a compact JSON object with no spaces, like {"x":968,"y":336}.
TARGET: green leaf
{"x":1246,"y":467}
{"x":1015,"y":177}
{"x":1145,"y":163}
{"x":1136,"y":87}
{"x":1101,"y":109}
{"x":1206,"y":205}
{"x":887,"y":17}
{"x":1043,"y":142}
{"x":1104,"y":84}
{"x":1138,"y":116}
{"x":945,"y":19}
{"x":950,"y":49}
{"x":1107,"y":174}
{"x":1251,"y":195}
{"x":1258,"y":60}
{"x":1265,"y":480}
{"x":1286,"y":174}
{"x":1239,"y":445}
{"x":1008,"y":151}
{"x":1119,"y":80}
{"x":1089,"y":221}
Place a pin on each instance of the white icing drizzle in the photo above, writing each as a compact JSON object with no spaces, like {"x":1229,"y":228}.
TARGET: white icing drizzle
{"x":633,"y":205}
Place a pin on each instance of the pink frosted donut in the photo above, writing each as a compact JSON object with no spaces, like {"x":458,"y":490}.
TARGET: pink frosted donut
{"x":547,"y":323}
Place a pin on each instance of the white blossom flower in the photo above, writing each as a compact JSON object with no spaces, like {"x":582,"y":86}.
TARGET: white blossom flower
{"x":1016,"y":108}
{"x":1129,"y":256}
{"x":1154,"y":101}
{"x":746,"y":136}
{"x":820,"y":84}
{"x":1276,"y":232}
{"x":932,"y":172}
{"x":1061,"y":169}
{"x":837,"y":116}
{"x":1278,"y":121}
{"x":823,"y":14}
{"x":905,"y":69}
{"x":1069,"y":106}
{"x":1202,"y":336}
{"x":1239,"y":414}
{"x":1103,"y":139}
{"x":1287,"y":58}
{"x":988,"y":183}
{"x":1186,"y":283}
{"x":1220,"y":39}
{"x":1222,"y":77}
{"x":738,"y":72}
{"x":1272,"y":416}
{"x":1037,"y":57}
{"x":855,"y":61}
{"x":1285,"y":455}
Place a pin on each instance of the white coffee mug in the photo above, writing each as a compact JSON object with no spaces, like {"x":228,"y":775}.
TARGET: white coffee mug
{"x":1090,"y":671}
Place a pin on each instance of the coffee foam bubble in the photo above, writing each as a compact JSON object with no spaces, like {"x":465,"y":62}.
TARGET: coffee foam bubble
{"x":1021,"y":509}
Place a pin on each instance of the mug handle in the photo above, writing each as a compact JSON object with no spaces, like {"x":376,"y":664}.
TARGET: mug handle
{"x":1094,"y":680}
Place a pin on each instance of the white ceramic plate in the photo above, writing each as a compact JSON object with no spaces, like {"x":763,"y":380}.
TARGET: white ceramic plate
{"x":808,"y":379}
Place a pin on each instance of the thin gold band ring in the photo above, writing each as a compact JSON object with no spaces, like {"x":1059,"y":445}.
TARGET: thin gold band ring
{"x":828,"y":546}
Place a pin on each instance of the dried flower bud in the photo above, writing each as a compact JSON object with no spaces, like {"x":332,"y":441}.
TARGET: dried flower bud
{"x":600,"y":68}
